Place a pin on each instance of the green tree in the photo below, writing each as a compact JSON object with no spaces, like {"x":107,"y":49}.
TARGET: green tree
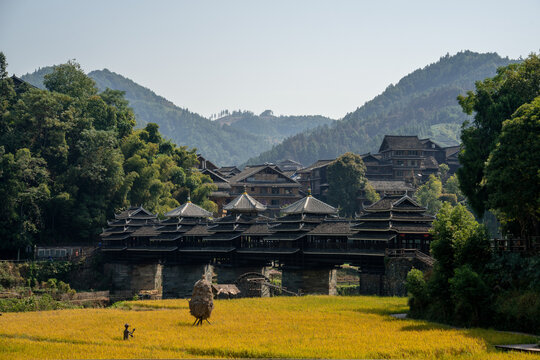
{"x":429,"y":193}
{"x":24,"y":188}
{"x":451,"y":186}
{"x":71,"y":80}
{"x":513,"y":173}
{"x":470,"y":296}
{"x":346,"y":179}
{"x":458,"y":240}
{"x":70,"y":159}
{"x":494,"y":101}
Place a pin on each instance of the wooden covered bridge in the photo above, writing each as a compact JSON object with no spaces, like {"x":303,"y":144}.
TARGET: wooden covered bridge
{"x":308,"y":242}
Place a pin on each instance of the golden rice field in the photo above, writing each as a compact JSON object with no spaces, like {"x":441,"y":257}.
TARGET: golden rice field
{"x":305,"y":327}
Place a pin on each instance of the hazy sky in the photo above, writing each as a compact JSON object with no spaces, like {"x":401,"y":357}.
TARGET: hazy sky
{"x":294,"y":57}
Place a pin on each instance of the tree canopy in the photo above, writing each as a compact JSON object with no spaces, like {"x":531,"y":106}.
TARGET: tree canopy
{"x":494,"y":101}
{"x":70,"y":158}
{"x":346,"y":180}
{"x":513,"y":173}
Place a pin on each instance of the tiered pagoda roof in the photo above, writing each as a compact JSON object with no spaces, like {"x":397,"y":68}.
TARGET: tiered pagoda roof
{"x":180,"y":221}
{"x":309,"y":205}
{"x":301,"y":217}
{"x":390,"y":216}
{"x":244,"y":203}
{"x":134,"y":221}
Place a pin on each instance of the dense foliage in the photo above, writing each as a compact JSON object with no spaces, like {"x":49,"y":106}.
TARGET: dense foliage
{"x":230,"y":140}
{"x":438,"y":189}
{"x":470,"y":285}
{"x":346,"y":177}
{"x":422,"y":103}
{"x":517,"y":157}
{"x":511,"y":174}
{"x":70,"y":158}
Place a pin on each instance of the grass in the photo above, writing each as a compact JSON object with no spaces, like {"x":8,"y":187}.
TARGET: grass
{"x":304,"y":327}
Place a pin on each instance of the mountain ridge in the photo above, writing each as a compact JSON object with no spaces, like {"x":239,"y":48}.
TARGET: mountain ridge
{"x":222,"y":144}
{"x":422,"y":103}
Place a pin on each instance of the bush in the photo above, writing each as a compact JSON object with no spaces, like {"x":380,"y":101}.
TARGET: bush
{"x":10,"y":276}
{"x":417,"y":288}
{"x":469,"y":295}
{"x":33,"y":303}
{"x":518,"y":311}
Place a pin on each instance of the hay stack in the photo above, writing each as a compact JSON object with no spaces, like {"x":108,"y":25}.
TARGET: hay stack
{"x":202,"y":301}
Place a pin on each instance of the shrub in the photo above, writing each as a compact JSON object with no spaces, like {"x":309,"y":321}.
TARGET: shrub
{"x":518,"y":311}
{"x":469,"y":295}
{"x":417,"y":288}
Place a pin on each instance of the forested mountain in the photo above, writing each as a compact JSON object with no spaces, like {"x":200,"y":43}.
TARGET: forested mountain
{"x":273,"y":128}
{"x":422,"y":103}
{"x":223,"y":144}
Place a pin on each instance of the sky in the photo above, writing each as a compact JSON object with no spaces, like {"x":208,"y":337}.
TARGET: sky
{"x":293,"y":57}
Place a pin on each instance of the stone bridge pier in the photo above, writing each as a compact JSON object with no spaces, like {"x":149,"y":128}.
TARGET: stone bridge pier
{"x":322,"y":281}
{"x":178,"y":279}
{"x":128,"y":279}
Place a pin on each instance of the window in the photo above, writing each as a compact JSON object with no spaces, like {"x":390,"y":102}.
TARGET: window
{"x":252,"y":189}
{"x":399,"y":162}
{"x":399,"y":173}
{"x":264,"y":190}
{"x":275,"y":190}
{"x":275,"y":202}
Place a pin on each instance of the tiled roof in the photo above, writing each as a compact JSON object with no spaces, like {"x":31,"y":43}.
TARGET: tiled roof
{"x":400,"y":142}
{"x":390,"y":185}
{"x":244,"y":202}
{"x":317,"y":164}
{"x":197,"y":230}
{"x":189,"y":209}
{"x":431,"y":163}
{"x":136,"y":212}
{"x":332,"y":228}
{"x":310,"y":205}
{"x":257,"y":229}
{"x":216,"y":178}
{"x":145,"y":231}
{"x":394,"y":202}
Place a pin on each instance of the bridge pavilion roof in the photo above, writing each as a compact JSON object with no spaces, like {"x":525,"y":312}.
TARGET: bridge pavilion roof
{"x":309,"y":205}
{"x":244,"y":203}
{"x":390,"y":216}
{"x":189,"y":210}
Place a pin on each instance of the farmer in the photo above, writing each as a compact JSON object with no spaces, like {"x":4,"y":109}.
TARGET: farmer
{"x":128,"y":333}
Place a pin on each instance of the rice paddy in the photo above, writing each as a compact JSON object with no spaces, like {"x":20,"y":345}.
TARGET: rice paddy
{"x":304,"y":327}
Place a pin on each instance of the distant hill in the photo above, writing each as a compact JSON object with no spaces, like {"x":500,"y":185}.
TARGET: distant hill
{"x":422,"y":103}
{"x":224,"y":144}
{"x":273,"y":128}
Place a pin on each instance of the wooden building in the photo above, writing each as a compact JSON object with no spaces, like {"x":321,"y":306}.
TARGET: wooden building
{"x":268,"y":185}
{"x":313,"y":178}
{"x":128,"y":229}
{"x":394,"y":222}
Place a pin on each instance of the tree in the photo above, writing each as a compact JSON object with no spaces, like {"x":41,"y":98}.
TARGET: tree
{"x":70,"y":159}
{"x":346,"y":178}
{"x":71,"y":80}
{"x":24,"y":189}
{"x":493,"y":102}
{"x":429,"y":193}
{"x":513,"y":173}
{"x":452,"y":230}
